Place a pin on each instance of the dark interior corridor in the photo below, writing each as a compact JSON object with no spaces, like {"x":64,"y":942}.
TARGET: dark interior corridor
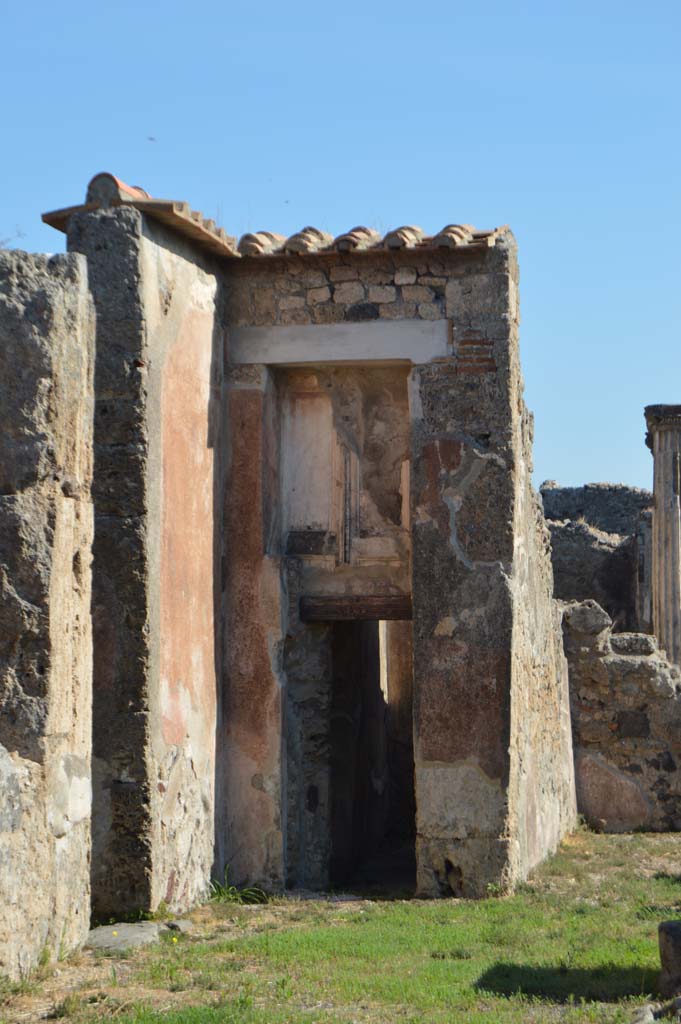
{"x":372,"y":820}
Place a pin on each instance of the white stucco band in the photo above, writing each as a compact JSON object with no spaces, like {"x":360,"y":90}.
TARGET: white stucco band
{"x":411,"y":341}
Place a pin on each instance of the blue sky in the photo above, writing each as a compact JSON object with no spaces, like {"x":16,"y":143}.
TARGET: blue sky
{"x":560,"y":119}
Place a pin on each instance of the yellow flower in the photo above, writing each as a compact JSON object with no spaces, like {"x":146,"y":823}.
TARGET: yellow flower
{"x":174,"y":938}
{"x":114,"y":933}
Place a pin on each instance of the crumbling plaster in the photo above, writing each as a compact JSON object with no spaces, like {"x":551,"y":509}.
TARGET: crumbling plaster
{"x":157,"y":556}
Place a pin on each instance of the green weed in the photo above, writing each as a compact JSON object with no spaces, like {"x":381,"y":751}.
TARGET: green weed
{"x":226,"y":893}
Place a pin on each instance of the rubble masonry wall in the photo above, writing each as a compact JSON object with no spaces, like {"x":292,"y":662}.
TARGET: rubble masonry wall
{"x":600,"y":549}
{"x":46,"y":362}
{"x":626,"y":720}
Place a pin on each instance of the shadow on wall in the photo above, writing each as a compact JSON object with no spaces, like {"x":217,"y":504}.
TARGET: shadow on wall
{"x":561,"y":983}
{"x":216,"y":439}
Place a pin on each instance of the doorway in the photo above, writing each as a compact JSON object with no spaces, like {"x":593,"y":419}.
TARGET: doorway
{"x":372,"y":804}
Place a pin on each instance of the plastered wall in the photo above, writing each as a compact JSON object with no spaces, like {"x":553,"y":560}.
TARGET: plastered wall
{"x":157,"y":561}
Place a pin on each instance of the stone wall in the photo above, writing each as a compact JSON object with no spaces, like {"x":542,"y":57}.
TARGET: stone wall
{"x":210,"y":537}
{"x":484,"y":634}
{"x":157,"y":560}
{"x":488,"y":676}
{"x":324,"y":290}
{"x":542,"y":801}
{"x":610,"y":508}
{"x":626,"y":720}
{"x":46,"y":360}
{"x":599,"y":550}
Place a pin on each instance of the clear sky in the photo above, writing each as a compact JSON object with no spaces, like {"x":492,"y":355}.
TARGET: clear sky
{"x":560,"y":119}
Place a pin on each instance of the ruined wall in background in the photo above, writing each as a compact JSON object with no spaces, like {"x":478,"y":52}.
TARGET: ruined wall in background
{"x":157,"y":547}
{"x":599,"y":548}
{"x":46,"y":359}
{"x":626,"y":720}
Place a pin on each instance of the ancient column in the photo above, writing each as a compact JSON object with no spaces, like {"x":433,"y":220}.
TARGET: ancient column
{"x":664,"y":440}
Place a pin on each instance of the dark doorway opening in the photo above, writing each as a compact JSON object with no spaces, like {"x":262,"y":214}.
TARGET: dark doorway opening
{"x":372,"y":802}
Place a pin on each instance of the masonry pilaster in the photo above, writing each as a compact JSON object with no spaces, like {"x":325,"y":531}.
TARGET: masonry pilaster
{"x":664,"y":440}
{"x":251,"y":845}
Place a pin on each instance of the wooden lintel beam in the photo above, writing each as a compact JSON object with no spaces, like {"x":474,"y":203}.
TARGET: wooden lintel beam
{"x":355,"y":607}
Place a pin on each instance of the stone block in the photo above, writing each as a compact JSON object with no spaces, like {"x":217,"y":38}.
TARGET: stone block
{"x":587,"y":618}
{"x":328,"y":314}
{"x":417,"y":293}
{"x":669,"y":937}
{"x":348,"y":293}
{"x":382,"y":293}
{"x":343,"y":273}
{"x":481,"y":296}
{"x":292,"y":302}
{"x":317,"y":295}
{"x":117,"y":938}
{"x":608,"y":799}
{"x":634,"y":643}
{"x":294,"y":316}
{"x":398,"y":311}
{"x":362,"y":311}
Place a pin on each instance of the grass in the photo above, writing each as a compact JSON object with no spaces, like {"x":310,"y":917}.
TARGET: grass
{"x":226,"y":893}
{"x":577,"y":943}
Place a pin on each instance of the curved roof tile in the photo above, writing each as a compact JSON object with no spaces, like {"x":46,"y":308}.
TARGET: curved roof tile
{"x":105,"y":190}
{"x":260,"y":243}
{"x":403,"y":238}
{"x":453,"y":235}
{"x":357,"y":238}
{"x":308,"y":240}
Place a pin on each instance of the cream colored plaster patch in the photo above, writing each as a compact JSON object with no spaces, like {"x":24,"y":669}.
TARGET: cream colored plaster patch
{"x":175,"y":710}
{"x":445,"y":627}
{"x":70,"y":796}
{"x":458,"y":800}
{"x":202,"y":294}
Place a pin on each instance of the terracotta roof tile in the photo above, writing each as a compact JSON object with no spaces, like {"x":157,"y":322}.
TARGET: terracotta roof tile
{"x":308,"y":240}
{"x":261,"y":243}
{"x":403,"y":238}
{"x":357,"y":238}
{"x":105,"y":190}
{"x":453,"y":235}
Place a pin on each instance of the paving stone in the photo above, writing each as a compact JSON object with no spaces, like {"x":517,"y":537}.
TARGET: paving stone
{"x":115,"y":938}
